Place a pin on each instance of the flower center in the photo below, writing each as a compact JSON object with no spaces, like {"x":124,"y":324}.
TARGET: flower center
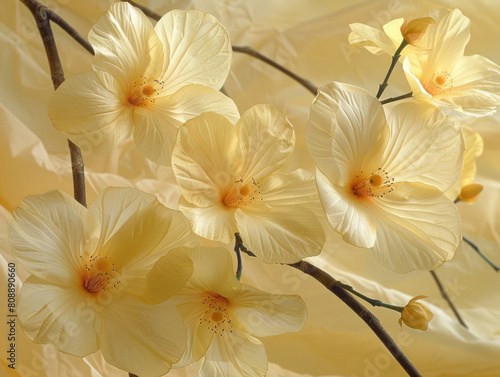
{"x":440,"y":83}
{"x":241,"y":194}
{"x":99,"y":275}
{"x":375,"y":185}
{"x":143,"y":93}
{"x":216,"y":315}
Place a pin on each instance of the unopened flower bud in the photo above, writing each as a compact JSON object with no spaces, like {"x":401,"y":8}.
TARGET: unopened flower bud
{"x":415,"y":29}
{"x":416,"y":315}
{"x":471,"y":192}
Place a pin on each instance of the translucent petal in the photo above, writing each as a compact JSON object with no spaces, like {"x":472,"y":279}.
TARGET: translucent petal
{"x":425,"y":146}
{"x":281,"y":234}
{"x":206,"y":158}
{"x":197,"y":50}
{"x":417,"y":228}
{"x":126,"y":45}
{"x":346,"y":131}
{"x":47,"y":235}
{"x":267,"y":140}
{"x":150,"y":337}
{"x":264,"y":314}
{"x":288,"y":189}
{"x":58,"y":315}
{"x":156,"y":126}
{"x":89,"y":109}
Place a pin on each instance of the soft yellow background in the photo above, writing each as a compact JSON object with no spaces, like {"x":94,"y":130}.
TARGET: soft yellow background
{"x":309,"y":37}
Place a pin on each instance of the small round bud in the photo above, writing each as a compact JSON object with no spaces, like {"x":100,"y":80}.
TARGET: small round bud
{"x":415,"y":29}
{"x":416,"y":315}
{"x":471,"y":192}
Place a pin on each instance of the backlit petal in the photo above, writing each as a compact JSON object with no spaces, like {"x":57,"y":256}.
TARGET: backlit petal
{"x":215,"y":222}
{"x":346,"y":214}
{"x":126,"y":45}
{"x":288,"y":189}
{"x":375,"y":41}
{"x":206,"y":158}
{"x":57,"y":315}
{"x":346,"y":132}
{"x":140,"y":338}
{"x":156,"y":126}
{"x":425,"y":146}
{"x":88,"y":109}
{"x":264,"y":314}
{"x":417,"y":228}
{"x":47,"y":235}
{"x":197,"y":50}
{"x":281,"y":234}
{"x":267,"y":140}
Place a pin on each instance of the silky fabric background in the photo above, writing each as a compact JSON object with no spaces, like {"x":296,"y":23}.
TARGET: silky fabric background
{"x":310,"y":38}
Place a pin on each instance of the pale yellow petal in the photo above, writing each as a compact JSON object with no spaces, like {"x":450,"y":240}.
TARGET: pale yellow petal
{"x":417,"y":228}
{"x":215,"y":222}
{"x":47,"y":235}
{"x":476,"y":87}
{"x":281,"y":234}
{"x":288,"y":189}
{"x":156,"y":126}
{"x":447,"y":38}
{"x":168,"y":275}
{"x":267,"y":140}
{"x":346,"y":214}
{"x":237,"y":354}
{"x":197,"y":50}
{"x":346,"y":131}
{"x":126,"y":45}
{"x":213,"y":271}
{"x":375,"y":41}
{"x":264,"y":314}
{"x":58,"y":315}
{"x":206,"y":158}
{"x":425,"y":146}
{"x":111,"y":210}
{"x":140,"y":338}
{"x":88,"y":109}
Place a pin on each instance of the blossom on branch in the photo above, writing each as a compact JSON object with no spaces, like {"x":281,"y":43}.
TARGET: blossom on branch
{"x":88,"y":271}
{"x":416,"y":315}
{"x":381,"y":181}
{"x":232,"y":180}
{"x":224,"y":317}
{"x":146,"y":81}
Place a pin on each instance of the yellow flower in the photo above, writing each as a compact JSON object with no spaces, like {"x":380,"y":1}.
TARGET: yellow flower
{"x":146,"y":81}
{"x":232,"y":180}
{"x":224,"y":317}
{"x":381,"y":181}
{"x":447,"y":78}
{"x":88,"y":274}
{"x":416,"y":315}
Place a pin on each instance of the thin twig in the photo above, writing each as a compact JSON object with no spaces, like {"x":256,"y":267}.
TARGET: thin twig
{"x":393,"y":99}
{"x":250,"y":51}
{"x":238,"y":256}
{"x":447,"y":298}
{"x":478,"y":250}
{"x":71,"y":31}
{"x":395,"y":59}
{"x":42,"y":19}
{"x":132,"y":375}
{"x":333,"y":286}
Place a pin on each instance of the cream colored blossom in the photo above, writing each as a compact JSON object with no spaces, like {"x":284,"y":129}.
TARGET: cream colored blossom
{"x":232,"y":180}
{"x":447,"y":78}
{"x":381,"y":181}
{"x":88,"y":274}
{"x":146,"y":81}
{"x":224,"y":317}
{"x":416,"y":315}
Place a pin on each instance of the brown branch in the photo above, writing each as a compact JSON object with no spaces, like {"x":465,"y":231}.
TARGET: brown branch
{"x":447,"y":298}
{"x":42,"y":18}
{"x":333,"y":286}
